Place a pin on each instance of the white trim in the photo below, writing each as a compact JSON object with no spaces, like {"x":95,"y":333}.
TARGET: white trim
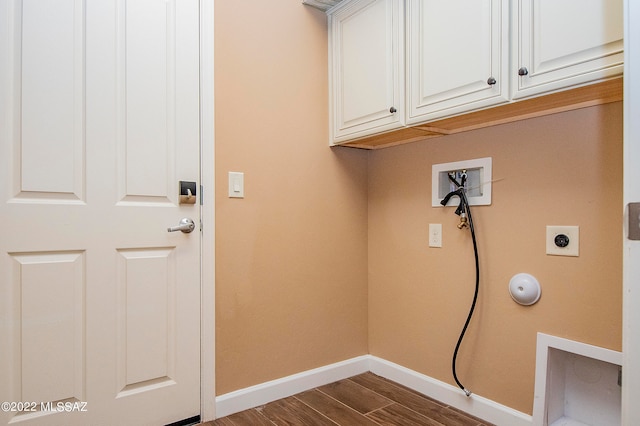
{"x":543,"y":382}
{"x":475,"y":405}
{"x":321,"y":4}
{"x":264,"y":393}
{"x":207,"y":253}
{"x":631,"y":193}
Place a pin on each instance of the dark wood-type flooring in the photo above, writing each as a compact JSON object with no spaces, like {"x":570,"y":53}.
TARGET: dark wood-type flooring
{"x":366,"y":399}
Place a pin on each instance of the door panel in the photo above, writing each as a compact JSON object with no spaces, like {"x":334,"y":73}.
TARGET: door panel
{"x":51,"y":316}
{"x":99,"y":119}
{"x":51,"y":96}
{"x":146,"y":343}
{"x":47,"y":126}
{"x":147,"y":85}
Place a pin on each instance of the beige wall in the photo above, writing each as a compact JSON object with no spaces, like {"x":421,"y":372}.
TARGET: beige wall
{"x":291,"y":289}
{"x":564,"y":169}
{"x":294,"y":287}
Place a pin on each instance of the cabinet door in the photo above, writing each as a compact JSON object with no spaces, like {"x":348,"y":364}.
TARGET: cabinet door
{"x":366,"y":68}
{"x":456,"y":56}
{"x":565,"y":43}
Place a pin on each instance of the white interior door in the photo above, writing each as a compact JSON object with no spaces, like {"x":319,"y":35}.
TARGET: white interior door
{"x":99,"y":120}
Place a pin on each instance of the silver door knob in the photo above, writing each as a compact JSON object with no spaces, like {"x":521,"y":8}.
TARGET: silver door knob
{"x":186,"y":225}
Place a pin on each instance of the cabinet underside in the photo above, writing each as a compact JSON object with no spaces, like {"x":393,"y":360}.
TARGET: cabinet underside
{"x":585,"y":96}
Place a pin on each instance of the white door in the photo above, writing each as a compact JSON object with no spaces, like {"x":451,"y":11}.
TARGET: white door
{"x":457,"y":56}
{"x":99,"y":120}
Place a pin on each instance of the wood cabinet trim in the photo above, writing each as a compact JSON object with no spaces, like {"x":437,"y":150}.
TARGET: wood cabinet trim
{"x":581,"y":97}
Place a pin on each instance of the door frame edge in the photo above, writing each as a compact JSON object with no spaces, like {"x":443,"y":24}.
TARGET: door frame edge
{"x":631,"y":193}
{"x":207,"y":180}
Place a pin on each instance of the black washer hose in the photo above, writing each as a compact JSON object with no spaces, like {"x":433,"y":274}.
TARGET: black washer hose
{"x":465,"y":204}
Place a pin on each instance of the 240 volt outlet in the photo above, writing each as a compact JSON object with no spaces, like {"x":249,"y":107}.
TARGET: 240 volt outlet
{"x":563,"y":240}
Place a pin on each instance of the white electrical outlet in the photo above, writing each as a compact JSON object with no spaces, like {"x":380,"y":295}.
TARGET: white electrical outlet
{"x":435,"y":235}
{"x":563,"y":240}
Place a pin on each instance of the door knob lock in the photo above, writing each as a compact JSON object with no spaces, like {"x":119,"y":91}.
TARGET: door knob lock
{"x":186,"y":225}
{"x":187,"y":192}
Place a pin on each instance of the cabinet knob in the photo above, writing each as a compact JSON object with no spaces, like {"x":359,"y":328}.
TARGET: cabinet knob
{"x":523,"y":71}
{"x":392,"y":110}
{"x":491,"y":81}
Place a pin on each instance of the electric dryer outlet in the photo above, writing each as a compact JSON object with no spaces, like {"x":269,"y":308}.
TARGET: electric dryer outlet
{"x":563,"y":240}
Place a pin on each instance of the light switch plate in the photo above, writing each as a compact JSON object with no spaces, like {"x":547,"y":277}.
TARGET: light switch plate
{"x":236,"y":185}
{"x":556,"y":240}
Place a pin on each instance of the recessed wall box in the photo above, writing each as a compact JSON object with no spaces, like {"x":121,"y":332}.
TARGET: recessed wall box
{"x":576,"y":383}
{"x":478,"y":183}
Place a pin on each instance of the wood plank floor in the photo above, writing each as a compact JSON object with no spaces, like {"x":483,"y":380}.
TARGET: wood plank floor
{"x":365,"y":399}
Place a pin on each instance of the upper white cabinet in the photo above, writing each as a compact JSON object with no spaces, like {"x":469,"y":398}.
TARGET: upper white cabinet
{"x":402,"y":70}
{"x":366,"y":66}
{"x":563,"y":43}
{"x":457,"y":56}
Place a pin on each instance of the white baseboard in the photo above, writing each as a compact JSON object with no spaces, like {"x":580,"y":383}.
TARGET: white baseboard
{"x":475,"y":405}
{"x":264,"y":393}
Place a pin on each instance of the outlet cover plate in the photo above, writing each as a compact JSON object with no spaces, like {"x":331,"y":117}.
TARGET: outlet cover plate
{"x":435,"y":235}
{"x":572,"y":232}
